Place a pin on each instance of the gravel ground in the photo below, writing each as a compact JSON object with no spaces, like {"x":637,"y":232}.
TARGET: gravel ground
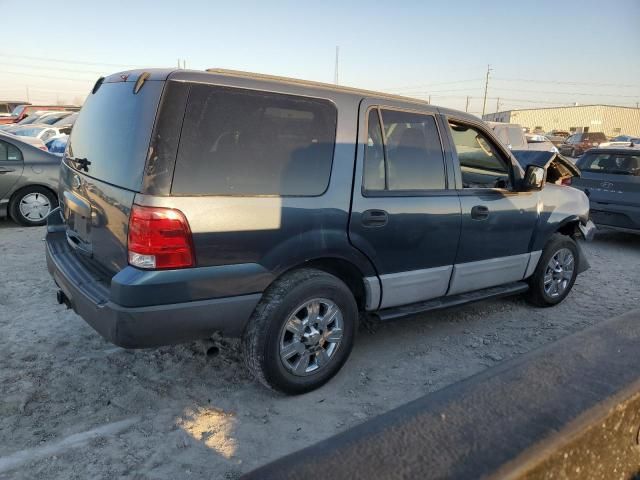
{"x":74,"y":406}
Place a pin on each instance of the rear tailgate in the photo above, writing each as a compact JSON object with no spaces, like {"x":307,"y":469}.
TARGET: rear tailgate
{"x":103,"y":167}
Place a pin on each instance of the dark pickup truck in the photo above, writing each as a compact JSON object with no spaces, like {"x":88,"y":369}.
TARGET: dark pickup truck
{"x":283,"y":211}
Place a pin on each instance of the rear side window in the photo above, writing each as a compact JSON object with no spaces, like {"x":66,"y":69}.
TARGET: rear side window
{"x":245,"y":142}
{"x":611,"y":163}
{"x":407,"y":157}
{"x":9,"y":153}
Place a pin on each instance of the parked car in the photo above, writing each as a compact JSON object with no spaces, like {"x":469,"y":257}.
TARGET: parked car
{"x":23,"y":111}
{"x":557,"y":137}
{"x":540,"y":143}
{"x":66,"y":121}
{"x":611,"y":179}
{"x":36,"y":142}
{"x":578,"y":143}
{"x":28,"y":181}
{"x":40,"y":116}
{"x":7,"y":106}
{"x":622,"y":141}
{"x":57,"y":145}
{"x":513,"y":136}
{"x":278,"y":211}
{"x":53,"y":117}
{"x":42,"y":132}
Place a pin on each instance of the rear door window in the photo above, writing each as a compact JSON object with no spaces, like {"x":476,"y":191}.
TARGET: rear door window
{"x":245,"y":142}
{"x":407,"y":156}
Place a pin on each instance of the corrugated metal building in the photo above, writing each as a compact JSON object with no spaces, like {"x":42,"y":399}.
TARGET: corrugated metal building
{"x":609,"y":119}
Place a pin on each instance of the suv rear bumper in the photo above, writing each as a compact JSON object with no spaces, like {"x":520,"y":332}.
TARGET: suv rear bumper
{"x":145,"y":326}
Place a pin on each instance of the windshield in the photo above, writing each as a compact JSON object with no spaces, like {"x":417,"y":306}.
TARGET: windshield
{"x":29,"y":131}
{"x":18,"y":110}
{"x":51,"y":119}
{"x":113,"y":131}
{"x":30,"y":119}
{"x":67,"y":120}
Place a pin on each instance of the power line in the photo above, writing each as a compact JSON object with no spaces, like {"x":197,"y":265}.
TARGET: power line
{"x":425,"y":86}
{"x":591,"y":94}
{"x":556,"y":82}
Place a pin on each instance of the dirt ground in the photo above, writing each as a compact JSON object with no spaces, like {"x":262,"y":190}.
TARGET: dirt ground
{"x":75,"y":406}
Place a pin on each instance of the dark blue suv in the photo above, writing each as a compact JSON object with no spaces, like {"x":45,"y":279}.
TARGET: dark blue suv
{"x":283,"y":211}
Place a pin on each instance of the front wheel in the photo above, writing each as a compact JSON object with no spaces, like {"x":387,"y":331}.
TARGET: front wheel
{"x":301,"y":332}
{"x":555,"y":273}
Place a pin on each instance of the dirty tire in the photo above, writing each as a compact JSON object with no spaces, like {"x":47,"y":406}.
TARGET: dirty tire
{"x":261,"y":339}
{"x":14,"y":206}
{"x":536,"y":294}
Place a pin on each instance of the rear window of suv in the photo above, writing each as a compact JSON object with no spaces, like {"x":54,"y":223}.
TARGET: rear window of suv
{"x":113,"y":132}
{"x":246,"y":142}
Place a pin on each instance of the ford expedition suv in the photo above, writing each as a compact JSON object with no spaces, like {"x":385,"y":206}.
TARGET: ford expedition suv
{"x":282,"y":211}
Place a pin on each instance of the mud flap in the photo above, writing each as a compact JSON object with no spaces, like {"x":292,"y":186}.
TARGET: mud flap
{"x":583,"y":263}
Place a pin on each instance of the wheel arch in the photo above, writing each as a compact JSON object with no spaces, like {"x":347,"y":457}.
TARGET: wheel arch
{"x":345,"y":270}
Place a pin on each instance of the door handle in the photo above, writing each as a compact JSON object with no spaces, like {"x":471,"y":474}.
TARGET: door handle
{"x":479,"y":212}
{"x":374,"y":218}
{"x":6,"y":170}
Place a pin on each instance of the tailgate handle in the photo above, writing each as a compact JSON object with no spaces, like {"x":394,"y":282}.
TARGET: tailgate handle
{"x":77,"y":205}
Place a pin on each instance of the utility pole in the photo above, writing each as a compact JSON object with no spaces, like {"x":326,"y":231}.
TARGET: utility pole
{"x":466,"y":107}
{"x":335,"y":73}
{"x":178,"y":63}
{"x":429,"y":102}
{"x":497,"y":104}
{"x":27,"y":87}
{"x":486,"y":86}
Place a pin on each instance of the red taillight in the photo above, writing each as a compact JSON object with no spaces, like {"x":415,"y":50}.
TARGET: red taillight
{"x":566,"y":181}
{"x":159,"y":238}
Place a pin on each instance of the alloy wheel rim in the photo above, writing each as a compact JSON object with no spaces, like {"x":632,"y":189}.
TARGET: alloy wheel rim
{"x":559,"y":273}
{"x":35,"y":207}
{"x":311,"y":336}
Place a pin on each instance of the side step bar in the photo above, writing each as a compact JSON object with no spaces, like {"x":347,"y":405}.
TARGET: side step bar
{"x":452,"y":301}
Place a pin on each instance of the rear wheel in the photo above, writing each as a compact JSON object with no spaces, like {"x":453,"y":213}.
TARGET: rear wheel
{"x":30,"y":206}
{"x":301,"y":332}
{"x":555,"y":273}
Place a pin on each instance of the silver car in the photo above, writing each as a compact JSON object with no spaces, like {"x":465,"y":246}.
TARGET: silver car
{"x":28,"y":181}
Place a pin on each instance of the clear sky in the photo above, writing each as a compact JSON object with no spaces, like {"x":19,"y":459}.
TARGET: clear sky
{"x":541,"y":52}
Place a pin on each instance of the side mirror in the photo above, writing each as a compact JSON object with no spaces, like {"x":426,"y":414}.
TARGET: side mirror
{"x":533,"y":177}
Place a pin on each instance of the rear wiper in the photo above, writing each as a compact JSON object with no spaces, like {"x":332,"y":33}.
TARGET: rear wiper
{"x":83,"y":163}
